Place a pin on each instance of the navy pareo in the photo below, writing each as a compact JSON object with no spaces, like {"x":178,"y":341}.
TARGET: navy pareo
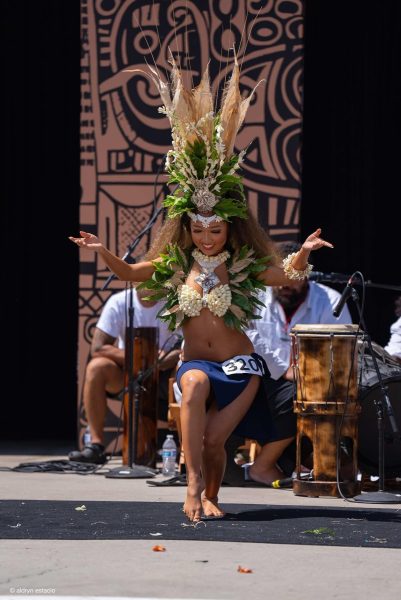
{"x":269,"y":418}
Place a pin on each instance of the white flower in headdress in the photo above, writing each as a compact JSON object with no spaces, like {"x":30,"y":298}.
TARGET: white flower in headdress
{"x":202,"y":197}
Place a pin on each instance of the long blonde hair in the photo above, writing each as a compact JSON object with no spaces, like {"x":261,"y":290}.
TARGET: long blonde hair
{"x":241,"y":232}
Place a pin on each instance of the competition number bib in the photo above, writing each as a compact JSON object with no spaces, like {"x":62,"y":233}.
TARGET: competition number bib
{"x":243,"y":364}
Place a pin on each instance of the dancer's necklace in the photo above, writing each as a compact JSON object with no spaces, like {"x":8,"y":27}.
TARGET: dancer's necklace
{"x":207,"y":279}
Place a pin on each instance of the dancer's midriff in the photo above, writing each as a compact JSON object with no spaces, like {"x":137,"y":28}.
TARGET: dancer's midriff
{"x":208,"y":338}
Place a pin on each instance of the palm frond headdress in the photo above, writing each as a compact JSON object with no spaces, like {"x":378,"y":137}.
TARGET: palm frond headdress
{"x":202,"y":161}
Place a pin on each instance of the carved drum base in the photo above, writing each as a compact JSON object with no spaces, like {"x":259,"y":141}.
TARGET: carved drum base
{"x":323,"y":431}
{"x":314,"y":489}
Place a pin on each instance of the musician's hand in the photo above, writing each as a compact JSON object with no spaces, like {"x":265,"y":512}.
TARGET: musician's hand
{"x":87,"y":240}
{"x":314,"y":242}
{"x":289,"y":374}
{"x":168,"y":360}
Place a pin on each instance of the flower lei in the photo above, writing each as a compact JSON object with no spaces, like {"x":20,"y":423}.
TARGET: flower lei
{"x":173,"y":267}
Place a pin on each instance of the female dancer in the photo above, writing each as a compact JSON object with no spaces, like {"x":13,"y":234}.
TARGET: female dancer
{"x":208,"y":262}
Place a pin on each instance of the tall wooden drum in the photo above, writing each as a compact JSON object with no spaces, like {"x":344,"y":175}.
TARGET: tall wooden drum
{"x":325,"y":368}
{"x":146,"y":349}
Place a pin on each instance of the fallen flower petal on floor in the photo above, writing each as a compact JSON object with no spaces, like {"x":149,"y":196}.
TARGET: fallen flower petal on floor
{"x":158,"y":549}
{"x":81,"y":508}
{"x":244,"y":569}
{"x":155,"y":534}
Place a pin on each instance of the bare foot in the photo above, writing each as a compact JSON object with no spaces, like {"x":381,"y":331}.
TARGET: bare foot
{"x":193,"y":503}
{"x":265,"y":476}
{"x":211,"y":508}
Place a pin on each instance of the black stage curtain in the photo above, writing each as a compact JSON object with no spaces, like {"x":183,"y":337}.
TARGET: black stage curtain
{"x":350,"y":154}
{"x":40,"y":203}
{"x":351,"y":140}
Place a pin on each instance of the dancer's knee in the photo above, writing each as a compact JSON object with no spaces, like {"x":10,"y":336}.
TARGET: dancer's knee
{"x":195,"y":387}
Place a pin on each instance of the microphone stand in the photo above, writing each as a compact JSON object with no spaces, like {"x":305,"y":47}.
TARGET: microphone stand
{"x":127,"y":256}
{"x":383,"y":286}
{"x":153,"y":218}
{"x":132,"y":470}
{"x":319,"y":277}
{"x":381,"y":496}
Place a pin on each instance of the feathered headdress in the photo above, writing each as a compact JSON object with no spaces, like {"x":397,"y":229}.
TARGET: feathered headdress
{"x":202,"y":162}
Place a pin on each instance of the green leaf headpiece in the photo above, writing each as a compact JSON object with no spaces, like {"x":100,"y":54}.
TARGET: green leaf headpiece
{"x":202,"y":161}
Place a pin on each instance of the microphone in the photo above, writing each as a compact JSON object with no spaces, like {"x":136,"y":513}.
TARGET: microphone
{"x":330,"y":277}
{"x":347,"y":291}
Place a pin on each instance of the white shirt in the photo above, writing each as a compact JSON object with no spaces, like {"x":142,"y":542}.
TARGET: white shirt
{"x":270,"y":335}
{"x":394,"y":344}
{"x":115,"y":313}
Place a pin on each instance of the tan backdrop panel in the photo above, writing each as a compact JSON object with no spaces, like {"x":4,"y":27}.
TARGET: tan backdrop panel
{"x":124,"y":138}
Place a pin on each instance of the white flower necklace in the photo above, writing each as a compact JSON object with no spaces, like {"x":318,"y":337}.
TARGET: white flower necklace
{"x":209,"y":263}
{"x":207,"y":279}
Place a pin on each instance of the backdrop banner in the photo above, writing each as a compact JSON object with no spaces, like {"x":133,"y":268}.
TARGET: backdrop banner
{"x":124,"y":138}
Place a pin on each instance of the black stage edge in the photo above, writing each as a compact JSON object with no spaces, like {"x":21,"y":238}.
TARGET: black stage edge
{"x":59,"y":520}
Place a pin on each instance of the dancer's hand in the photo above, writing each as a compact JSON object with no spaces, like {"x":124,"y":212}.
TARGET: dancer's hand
{"x":87,"y":240}
{"x":314,"y":242}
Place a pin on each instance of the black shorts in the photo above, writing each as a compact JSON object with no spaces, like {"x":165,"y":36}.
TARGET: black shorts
{"x":280,"y":397}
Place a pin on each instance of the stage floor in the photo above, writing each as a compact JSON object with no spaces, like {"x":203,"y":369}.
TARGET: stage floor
{"x":88,"y":535}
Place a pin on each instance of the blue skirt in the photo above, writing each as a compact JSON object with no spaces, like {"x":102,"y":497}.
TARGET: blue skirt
{"x":269,"y":418}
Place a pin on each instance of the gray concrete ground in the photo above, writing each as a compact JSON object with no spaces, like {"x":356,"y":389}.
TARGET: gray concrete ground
{"x":95,"y":568}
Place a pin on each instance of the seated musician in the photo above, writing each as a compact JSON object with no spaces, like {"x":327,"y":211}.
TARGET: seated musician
{"x":393,"y":346}
{"x":296,"y":302}
{"x":104,"y":374}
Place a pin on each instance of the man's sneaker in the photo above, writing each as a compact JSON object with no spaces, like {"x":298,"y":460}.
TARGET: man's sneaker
{"x":91,"y":453}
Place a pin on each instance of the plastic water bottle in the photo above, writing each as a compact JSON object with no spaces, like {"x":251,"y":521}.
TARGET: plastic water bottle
{"x":87,"y":436}
{"x":169,"y":455}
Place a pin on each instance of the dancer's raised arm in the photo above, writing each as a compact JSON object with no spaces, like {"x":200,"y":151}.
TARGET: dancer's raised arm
{"x":124,"y":271}
{"x":296,"y":265}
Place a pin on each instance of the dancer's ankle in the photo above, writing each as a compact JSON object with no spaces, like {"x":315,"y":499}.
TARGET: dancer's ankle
{"x":210,"y":498}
